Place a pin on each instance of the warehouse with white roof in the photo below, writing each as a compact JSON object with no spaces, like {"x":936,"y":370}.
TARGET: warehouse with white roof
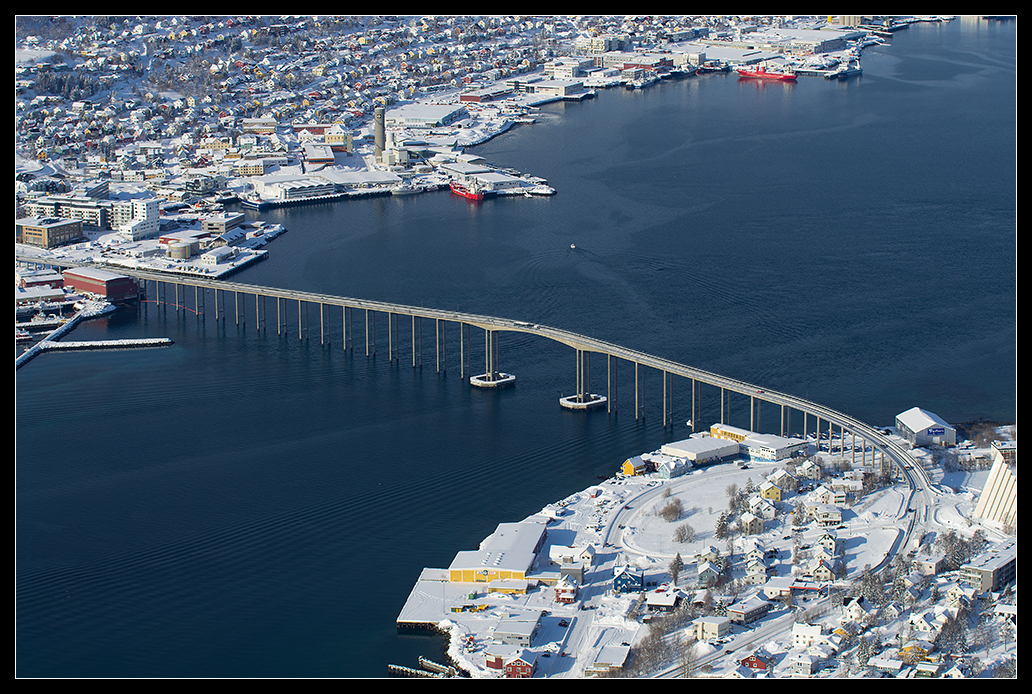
{"x":924,"y":428}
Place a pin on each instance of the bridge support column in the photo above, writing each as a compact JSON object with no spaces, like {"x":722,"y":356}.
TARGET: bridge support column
{"x":370,"y":332}
{"x":583,"y":398}
{"x":583,"y":367}
{"x":611,"y":364}
{"x":668,"y":399}
{"x":463,"y":349}
{"x":439,"y":336}
{"x":691,"y":422}
{"x":639,"y":392}
{"x":417,"y":341}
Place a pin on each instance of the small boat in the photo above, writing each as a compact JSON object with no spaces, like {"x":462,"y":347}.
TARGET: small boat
{"x":472,"y":192}
{"x":762,"y":73}
{"x":406,"y":189}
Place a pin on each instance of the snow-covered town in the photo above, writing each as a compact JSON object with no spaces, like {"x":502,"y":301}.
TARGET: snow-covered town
{"x":133,"y":134}
{"x":735,"y":566}
{"x":146,"y":142}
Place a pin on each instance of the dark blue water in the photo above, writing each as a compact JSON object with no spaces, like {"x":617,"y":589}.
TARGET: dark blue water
{"x":245,"y":503}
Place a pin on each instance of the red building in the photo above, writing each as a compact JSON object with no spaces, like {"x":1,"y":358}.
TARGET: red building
{"x":521,"y":666}
{"x":114,"y":288}
{"x":758,"y":662}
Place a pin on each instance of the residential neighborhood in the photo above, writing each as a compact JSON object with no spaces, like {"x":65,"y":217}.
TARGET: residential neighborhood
{"x":807,"y":572}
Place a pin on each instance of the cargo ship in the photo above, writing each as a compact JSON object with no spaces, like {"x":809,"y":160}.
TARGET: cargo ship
{"x":472,"y":192}
{"x":762,"y":73}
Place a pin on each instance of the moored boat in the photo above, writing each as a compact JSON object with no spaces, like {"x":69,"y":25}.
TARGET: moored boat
{"x":472,"y":192}
{"x":406,"y":189}
{"x":762,"y":73}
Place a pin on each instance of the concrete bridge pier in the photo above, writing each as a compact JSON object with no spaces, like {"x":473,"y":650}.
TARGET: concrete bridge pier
{"x":583,"y":398}
{"x":492,"y":377}
{"x":668,"y":399}
{"x":463,"y":350}
{"x":439,"y":334}
{"x":639,"y":392}
{"x":370,"y":332}
{"x":417,"y":341}
{"x":393,"y":348}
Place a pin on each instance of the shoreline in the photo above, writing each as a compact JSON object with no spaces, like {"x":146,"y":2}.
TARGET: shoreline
{"x":623,"y":503}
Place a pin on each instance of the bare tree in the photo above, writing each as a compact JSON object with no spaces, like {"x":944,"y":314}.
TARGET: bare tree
{"x":672,"y":511}
{"x":684,"y":533}
{"x":687,"y":655}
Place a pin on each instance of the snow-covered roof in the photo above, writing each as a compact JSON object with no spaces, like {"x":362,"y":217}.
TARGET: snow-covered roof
{"x":917,"y":419}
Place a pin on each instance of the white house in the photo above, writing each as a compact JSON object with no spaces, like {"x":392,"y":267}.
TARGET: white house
{"x":805,"y":635}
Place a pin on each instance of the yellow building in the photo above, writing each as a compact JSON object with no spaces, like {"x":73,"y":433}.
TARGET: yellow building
{"x":506,"y":555}
{"x":633,"y":466}
{"x":771,"y":491}
{"x":725,"y":431}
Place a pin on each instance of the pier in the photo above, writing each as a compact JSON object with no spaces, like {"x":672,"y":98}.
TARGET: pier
{"x":364,"y":314}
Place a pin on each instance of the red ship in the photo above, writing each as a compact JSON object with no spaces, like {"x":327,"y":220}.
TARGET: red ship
{"x":762,"y":73}
{"x":471,"y":192}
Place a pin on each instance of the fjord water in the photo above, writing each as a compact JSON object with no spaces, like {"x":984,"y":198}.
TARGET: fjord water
{"x":246,"y":503}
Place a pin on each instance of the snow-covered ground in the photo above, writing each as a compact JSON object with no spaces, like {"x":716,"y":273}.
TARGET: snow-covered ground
{"x":620,"y":519}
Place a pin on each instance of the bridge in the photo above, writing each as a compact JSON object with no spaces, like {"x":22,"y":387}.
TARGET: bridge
{"x":363,"y":314}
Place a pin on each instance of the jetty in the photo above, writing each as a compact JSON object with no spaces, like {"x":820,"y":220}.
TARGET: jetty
{"x":50,"y":346}
{"x":90,"y":309}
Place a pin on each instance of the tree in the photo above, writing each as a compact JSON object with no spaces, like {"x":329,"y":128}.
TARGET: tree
{"x":675,"y":568}
{"x":684,"y":533}
{"x":672,"y":511}
{"x":722,"y":530}
{"x":687,"y":654}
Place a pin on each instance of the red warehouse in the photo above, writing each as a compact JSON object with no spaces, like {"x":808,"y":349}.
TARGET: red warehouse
{"x":112,"y":287}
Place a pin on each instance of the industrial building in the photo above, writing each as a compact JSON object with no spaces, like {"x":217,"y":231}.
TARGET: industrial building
{"x":419,"y":115}
{"x":114,"y":288}
{"x":923,"y":428}
{"x":701,"y":450}
{"x":754,"y":446}
{"x":508,"y":553}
